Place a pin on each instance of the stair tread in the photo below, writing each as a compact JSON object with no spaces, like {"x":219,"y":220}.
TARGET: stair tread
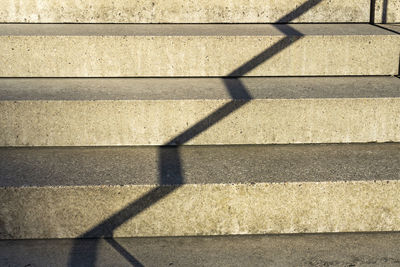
{"x":196,"y":88}
{"x":189,"y":29}
{"x":198,"y":164}
{"x":131,"y":191}
{"x":212,"y":50}
{"x":275,"y":250}
{"x":395,"y":27}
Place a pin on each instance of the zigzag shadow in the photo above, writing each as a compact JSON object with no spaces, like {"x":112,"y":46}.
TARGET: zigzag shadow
{"x":170,"y":174}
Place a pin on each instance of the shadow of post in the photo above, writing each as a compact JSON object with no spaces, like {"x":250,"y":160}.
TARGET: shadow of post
{"x":170,"y":170}
{"x":384,"y":11}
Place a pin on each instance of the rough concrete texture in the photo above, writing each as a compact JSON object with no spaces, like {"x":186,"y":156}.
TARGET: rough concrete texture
{"x":199,"y":209}
{"x":387,"y":11}
{"x":92,"y":192}
{"x":197,"y":50}
{"x":181,"y":11}
{"x":375,"y":249}
{"x":103,"y":123}
{"x":156,"y":111}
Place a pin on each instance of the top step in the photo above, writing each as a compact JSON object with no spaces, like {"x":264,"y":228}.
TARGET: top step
{"x":194,"y":11}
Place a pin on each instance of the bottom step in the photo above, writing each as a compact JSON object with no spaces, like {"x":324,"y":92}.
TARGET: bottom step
{"x":377,"y":249}
{"x":209,"y":190}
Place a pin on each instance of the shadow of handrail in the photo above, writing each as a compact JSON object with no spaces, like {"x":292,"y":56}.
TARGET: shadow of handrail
{"x":303,"y":8}
{"x":170,"y":171}
{"x":122,"y":251}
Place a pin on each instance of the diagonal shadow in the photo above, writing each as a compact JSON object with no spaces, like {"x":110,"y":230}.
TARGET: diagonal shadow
{"x":121,"y":250}
{"x":303,"y":8}
{"x":170,"y":174}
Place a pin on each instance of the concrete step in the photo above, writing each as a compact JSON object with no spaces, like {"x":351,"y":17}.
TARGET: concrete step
{"x":117,"y":50}
{"x":102,"y":112}
{"x":395,"y":27}
{"x":186,"y":191}
{"x":183,"y":11}
{"x":374,"y":249}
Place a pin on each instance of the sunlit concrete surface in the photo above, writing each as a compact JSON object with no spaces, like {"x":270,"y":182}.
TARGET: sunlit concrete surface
{"x":115,"y":50}
{"x":125,"y":192}
{"x":183,"y":11}
{"x":63,"y":191}
{"x":387,"y":11}
{"x":98,"y":112}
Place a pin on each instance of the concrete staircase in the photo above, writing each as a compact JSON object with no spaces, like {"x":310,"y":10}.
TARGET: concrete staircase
{"x":187,"y":118}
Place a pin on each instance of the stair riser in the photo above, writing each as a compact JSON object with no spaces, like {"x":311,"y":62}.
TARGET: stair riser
{"x":169,"y":56}
{"x":66,"y":212}
{"x":147,"y":122}
{"x":181,"y":11}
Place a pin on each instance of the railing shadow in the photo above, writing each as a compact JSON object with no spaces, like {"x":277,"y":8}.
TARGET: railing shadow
{"x":123,"y":252}
{"x":170,"y":171}
{"x":384,"y":11}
